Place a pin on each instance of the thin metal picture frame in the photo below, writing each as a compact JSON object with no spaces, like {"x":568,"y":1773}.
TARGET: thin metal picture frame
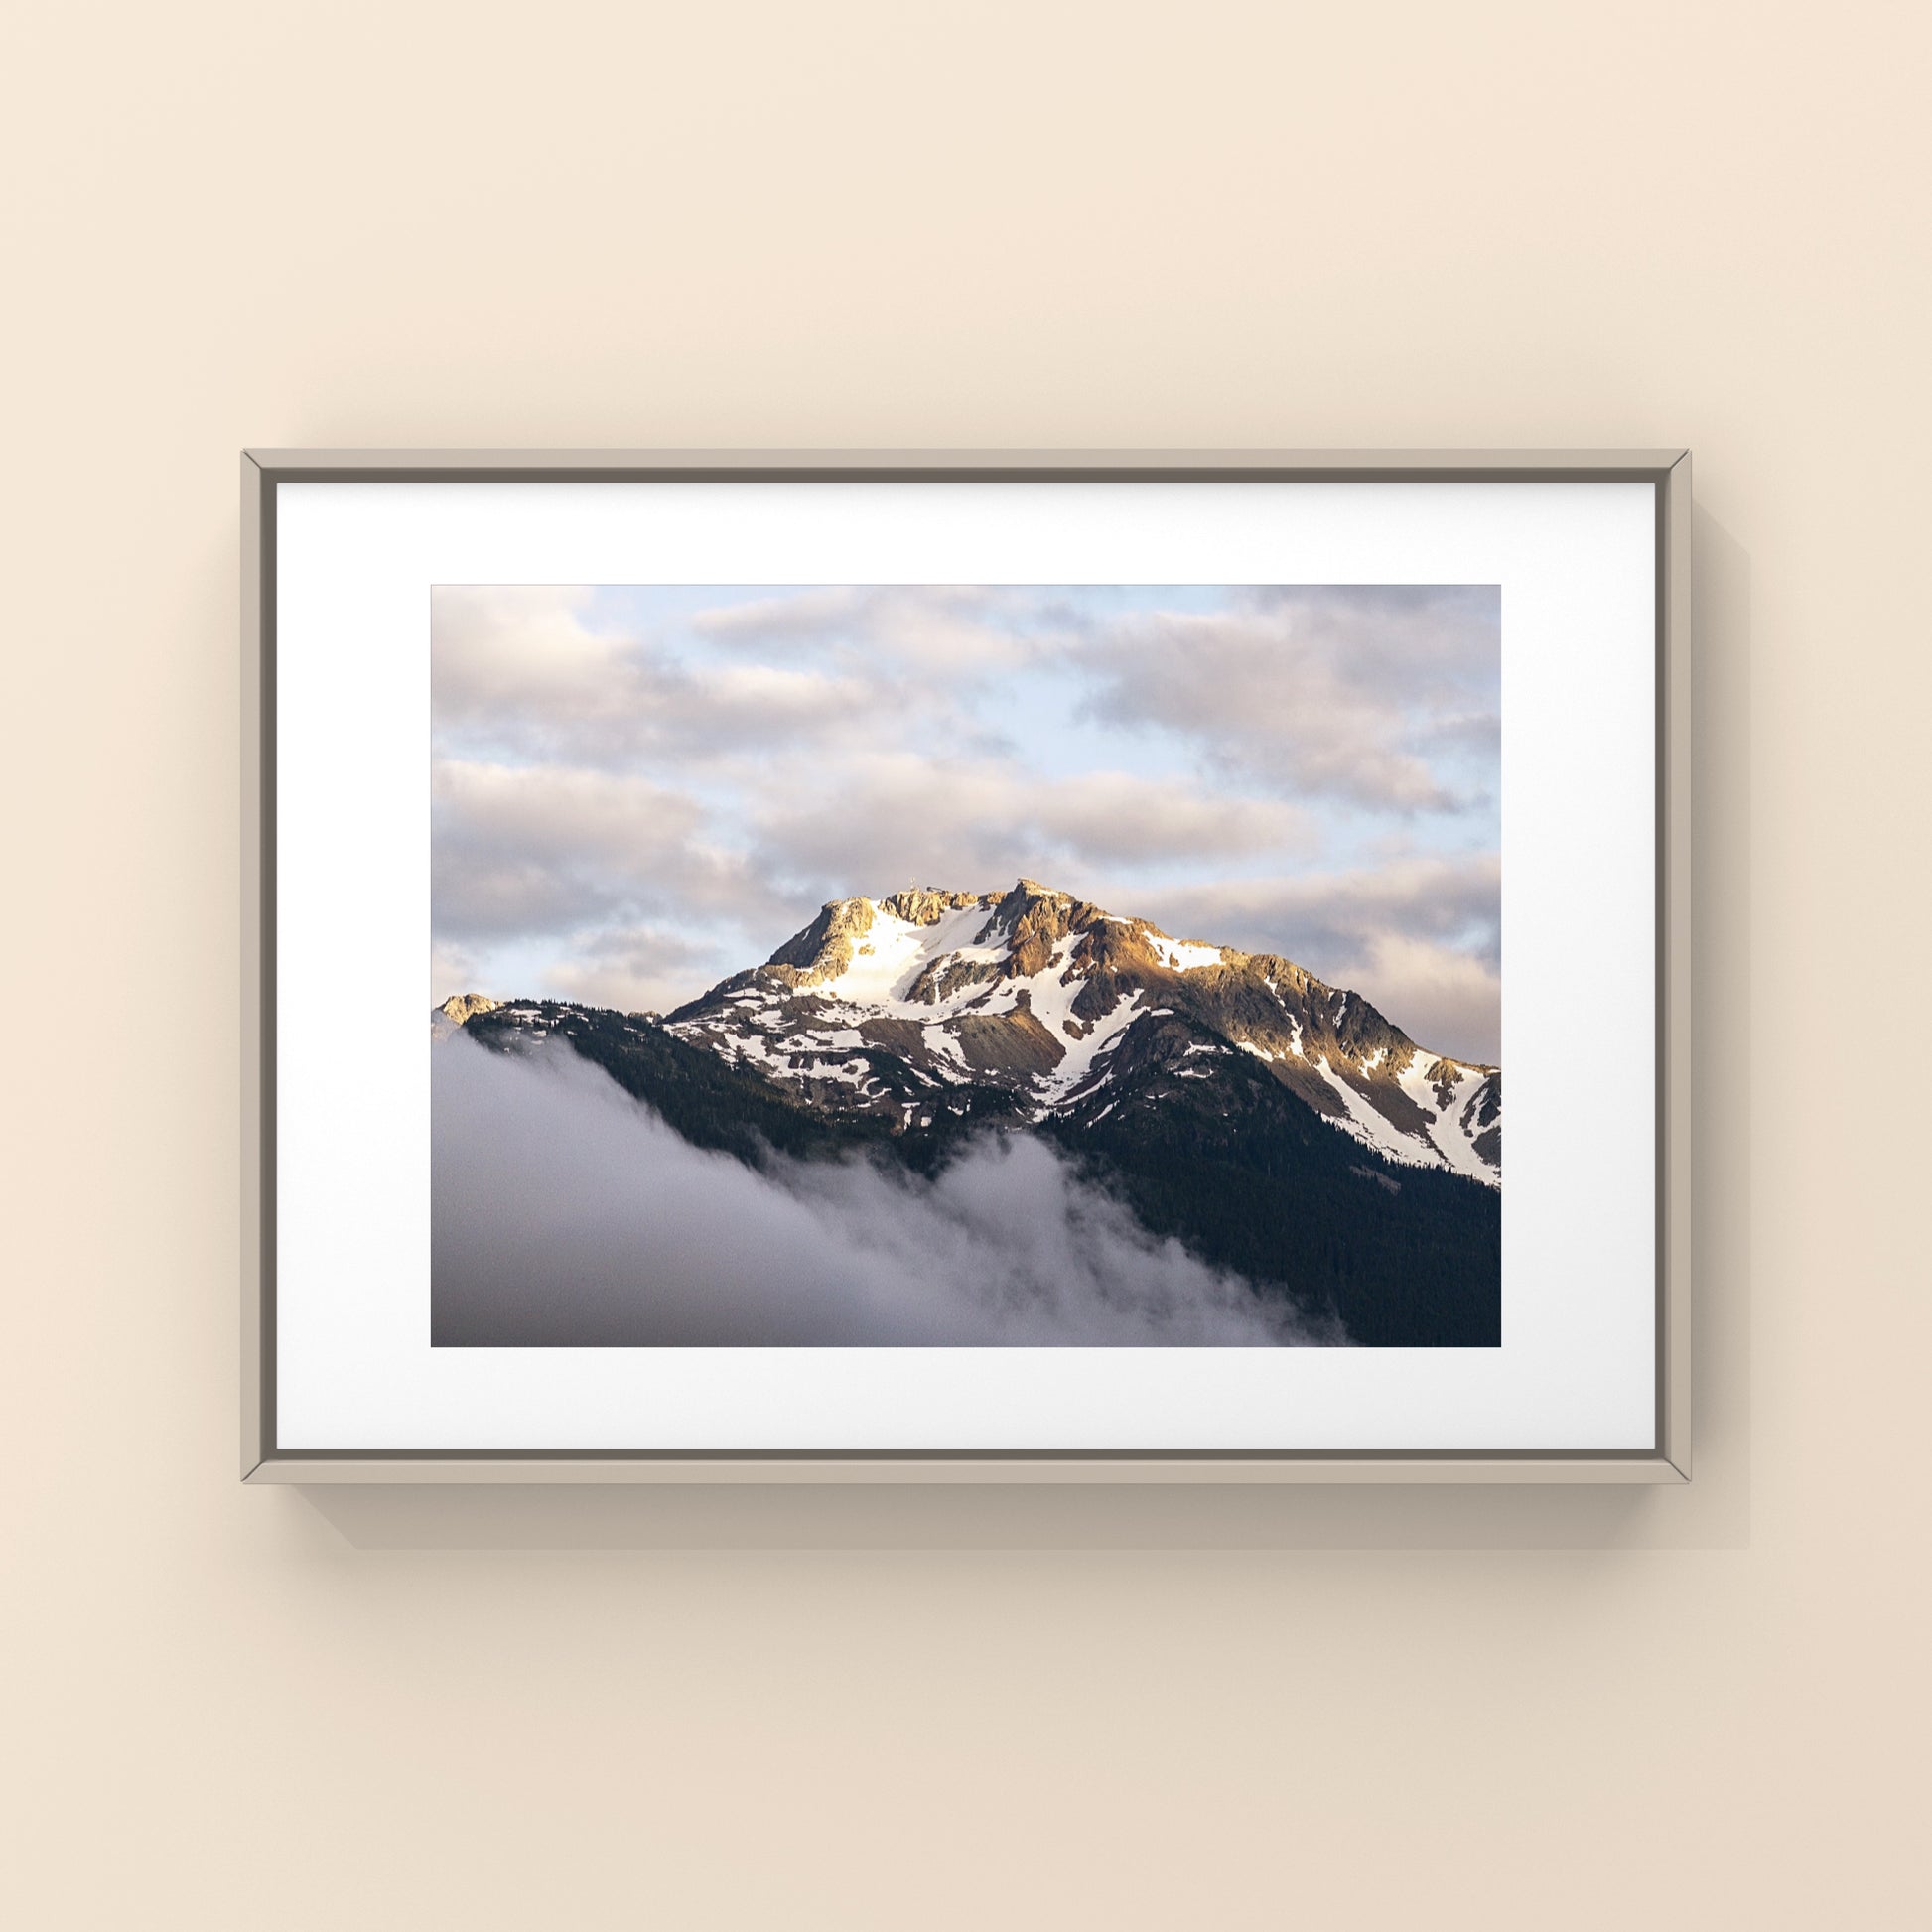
{"x":266,"y":1460}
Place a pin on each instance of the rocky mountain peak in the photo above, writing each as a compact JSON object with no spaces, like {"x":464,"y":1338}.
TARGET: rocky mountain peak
{"x":1040,"y":921}
{"x":458,"y":1010}
{"x":1029,"y":1004}
{"x":1027,"y":897}
{"x":928,"y":905}
{"x":460,"y":1006}
{"x":932,"y":996}
{"x":825,"y":948}
{"x":1031,"y":918}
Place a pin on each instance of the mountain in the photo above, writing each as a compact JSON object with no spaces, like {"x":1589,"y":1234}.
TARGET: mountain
{"x":1278,"y":1126}
{"x":1064,"y":1010}
{"x":456,"y":1011}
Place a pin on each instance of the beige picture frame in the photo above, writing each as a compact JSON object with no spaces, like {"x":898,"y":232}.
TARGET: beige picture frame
{"x":263,"y":1460}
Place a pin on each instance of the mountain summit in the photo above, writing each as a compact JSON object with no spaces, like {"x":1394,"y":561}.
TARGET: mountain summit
{"x":925,"y":1005}
{"x":1277,"y":1128}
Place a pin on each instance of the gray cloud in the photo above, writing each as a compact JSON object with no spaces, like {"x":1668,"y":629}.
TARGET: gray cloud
{"x":525,"y":851}
{"x":1364,"y":693}
{"x":535,"y":849}
{"x":905,"y":815}
{"x":566,"y":1214}
{"x":639,"y":969}
{"x":517,"y":671}
{"x":452,"y":968}
{"x":950,"y":632}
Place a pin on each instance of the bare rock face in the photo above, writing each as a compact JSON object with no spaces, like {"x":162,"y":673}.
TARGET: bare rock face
{"x":1009,"y":1043}
{"x":1039,"y":919}
{"x":948,"y":977}
{"x":825,"y":948}
{"x":927,"y":904}
{"x":456,"y":1011}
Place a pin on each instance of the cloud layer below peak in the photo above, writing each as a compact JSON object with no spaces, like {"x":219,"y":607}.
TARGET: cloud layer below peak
{"x":567,"y":1214}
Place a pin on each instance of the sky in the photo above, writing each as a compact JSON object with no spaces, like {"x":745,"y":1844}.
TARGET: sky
{"x":637,"y":790}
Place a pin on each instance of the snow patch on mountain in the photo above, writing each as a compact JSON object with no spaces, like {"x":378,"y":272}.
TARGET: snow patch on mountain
{"x":1052,"y":991}
{"x":1372,"y":1127}
{"x":1449,"y":1099}
{"x":1076,"y":1069}
{"x":1181,"y":955}
{"x":887,"y":961}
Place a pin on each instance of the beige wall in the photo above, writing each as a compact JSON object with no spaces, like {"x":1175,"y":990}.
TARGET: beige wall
{"x":948,"y":224}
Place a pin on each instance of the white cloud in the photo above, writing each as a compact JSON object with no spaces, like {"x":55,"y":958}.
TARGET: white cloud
{"x":944,"y":632}
{"x":500,"y":648}
{"x":519,"y":672}
{"x":906,"y":816}
{"x":451,"y":969}
{"x":1385,"y":697}
{"x":532,"y":849}
{"x":637,"y":969}
{"x":565,"y":1213}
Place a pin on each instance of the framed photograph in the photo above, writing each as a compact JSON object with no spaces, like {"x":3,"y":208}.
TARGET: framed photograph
{"x":965,"y":966}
